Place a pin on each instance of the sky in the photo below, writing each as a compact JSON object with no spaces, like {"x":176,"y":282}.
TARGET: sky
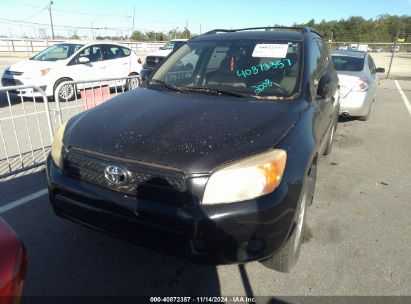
{"x":115,"y":17}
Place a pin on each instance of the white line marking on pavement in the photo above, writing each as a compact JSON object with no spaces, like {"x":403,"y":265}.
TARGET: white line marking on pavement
{"x":404,"y":98}
{"x":22,"y":200}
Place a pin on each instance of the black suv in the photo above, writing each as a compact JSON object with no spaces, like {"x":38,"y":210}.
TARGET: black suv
{"x":215,"y":157}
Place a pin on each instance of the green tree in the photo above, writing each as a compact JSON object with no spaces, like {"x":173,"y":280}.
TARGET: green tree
{"x":138,"y":36}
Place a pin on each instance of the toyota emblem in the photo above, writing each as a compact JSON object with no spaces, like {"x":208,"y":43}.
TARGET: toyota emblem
{"x":115,"y":175}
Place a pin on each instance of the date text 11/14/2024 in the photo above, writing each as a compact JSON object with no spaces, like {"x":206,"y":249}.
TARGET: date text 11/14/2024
{"x":233,"y":299}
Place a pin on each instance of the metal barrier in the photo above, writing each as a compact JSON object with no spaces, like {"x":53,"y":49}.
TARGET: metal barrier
{"x":16,"y":46}
{"x":91,"y":93}
{"x":27,"y":124}
{"x":26,"y":130}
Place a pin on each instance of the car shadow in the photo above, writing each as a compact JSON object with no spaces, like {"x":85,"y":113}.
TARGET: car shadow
{"x":67,"y":259}
{"x":346,"y":119}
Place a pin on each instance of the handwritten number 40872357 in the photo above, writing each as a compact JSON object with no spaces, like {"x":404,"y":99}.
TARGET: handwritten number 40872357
{"x":254,"y":70}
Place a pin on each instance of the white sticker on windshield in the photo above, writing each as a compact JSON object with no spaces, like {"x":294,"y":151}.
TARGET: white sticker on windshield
{"x":270,"y":50}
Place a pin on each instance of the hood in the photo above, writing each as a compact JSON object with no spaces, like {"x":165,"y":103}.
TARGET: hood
{"x":347,"y":81}
{"x":189,"y":131}
{"x":28,"y":66}
{"x":160,"y":53}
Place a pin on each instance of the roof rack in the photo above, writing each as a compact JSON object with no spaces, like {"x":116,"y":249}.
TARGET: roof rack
{"x":303,"y":30}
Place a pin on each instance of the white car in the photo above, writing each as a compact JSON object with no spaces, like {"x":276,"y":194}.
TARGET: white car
{"x":358,"y":82}
{"x":72,"y":61}
{"x":155,"y":58}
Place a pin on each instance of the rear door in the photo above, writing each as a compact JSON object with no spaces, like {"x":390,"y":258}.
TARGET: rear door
{"x":117,"y":59}
{"x":330,"y":103}
{"x":321,"y":106}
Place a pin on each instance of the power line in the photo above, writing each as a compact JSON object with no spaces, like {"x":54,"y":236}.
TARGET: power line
{"x":19,"y":22}
{"x":90,"y":14}
{"x":35,"y":14}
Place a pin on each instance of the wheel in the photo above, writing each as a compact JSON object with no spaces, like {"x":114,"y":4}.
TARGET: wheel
{"x":329,"y":146}
{"x":133,"y":83}
{"x":286,"y":257}
{"x":366,"y":117}
{"x":67,"y":92}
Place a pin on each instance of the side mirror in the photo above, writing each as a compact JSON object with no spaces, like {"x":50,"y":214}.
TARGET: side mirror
{"x":325,"y":86}
{"x":83,"y":60}
{"x":380,"y":70}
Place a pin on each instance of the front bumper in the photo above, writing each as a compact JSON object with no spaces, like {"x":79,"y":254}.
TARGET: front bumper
{"x":220,"y":234}
{"x":29,"y":92}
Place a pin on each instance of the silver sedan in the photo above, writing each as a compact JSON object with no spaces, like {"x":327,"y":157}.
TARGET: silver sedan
{"x":358,"y":82}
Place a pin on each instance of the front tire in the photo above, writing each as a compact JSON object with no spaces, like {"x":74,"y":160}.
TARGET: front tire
{"x":286,"y":257}
{"x":67,"y":92}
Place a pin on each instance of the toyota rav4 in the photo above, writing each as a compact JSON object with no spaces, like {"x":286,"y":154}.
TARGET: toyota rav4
{"x":215,"y":157}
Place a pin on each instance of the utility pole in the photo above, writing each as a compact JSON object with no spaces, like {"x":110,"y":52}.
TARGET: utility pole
{"x":51,"y":20}
{"x":92,"y":29}
{"x":134,"y":15}
{"x":395,"y":36}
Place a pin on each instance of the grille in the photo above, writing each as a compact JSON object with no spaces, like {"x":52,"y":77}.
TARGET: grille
{"x":153,"y":61}
{"x":143,"y":181}
{"x":13,"y":73}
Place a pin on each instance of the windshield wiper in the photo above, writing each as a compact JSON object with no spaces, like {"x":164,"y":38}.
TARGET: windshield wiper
{"x":167,"y":85}
{"x":217,"y":91}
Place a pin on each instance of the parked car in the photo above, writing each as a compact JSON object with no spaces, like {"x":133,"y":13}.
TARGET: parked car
{"x":155,"y":58}
{"x":358,"y":80}
{"x":215,"y":158}
{"x":395,"y":49}
{"x":72,"y":61}
{"x":376,"y":49}
{"x":13,"y":262}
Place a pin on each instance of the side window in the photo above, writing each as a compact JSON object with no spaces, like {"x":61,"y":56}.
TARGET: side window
{"x":126,"y":51}
{"x":316,"y":63}
{"x":371,"y":65}
{"x":93,"y":53}
{"x":114,"y":52}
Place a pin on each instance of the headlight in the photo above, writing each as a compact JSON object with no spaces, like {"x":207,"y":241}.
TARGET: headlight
{"x":57,"y":147}
{"x":246,"y":179}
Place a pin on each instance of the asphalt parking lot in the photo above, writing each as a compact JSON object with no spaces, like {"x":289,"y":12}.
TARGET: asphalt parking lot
{"x":357,"y":240}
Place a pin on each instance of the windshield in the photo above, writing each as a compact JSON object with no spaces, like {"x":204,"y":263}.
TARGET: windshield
{"x":56,"y":52}
{"x":168,"y":46}
{"x":346,"y":63}
{"x":264,"y":69}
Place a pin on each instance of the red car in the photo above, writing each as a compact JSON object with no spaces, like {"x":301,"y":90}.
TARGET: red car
{"x":13,"y":262}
